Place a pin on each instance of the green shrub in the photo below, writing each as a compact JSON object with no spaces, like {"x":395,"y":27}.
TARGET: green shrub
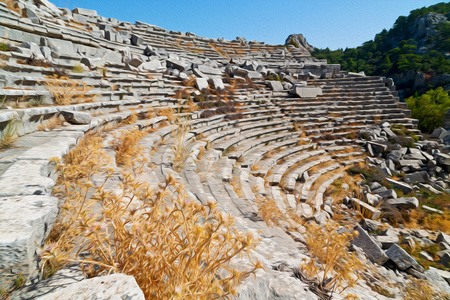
{"x":430,"y":108}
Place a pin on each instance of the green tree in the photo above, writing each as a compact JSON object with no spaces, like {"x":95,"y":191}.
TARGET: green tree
{"x":429,"y":108}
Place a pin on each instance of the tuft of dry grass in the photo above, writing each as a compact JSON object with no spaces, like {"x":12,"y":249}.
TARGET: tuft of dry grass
{"x":179,"y":148}
{"x":419,"y":289}
{"x":331,"y":266}
{"x":269,"y":211}
{"x":9,"y":133}
{"x":126,"y":145}
{"x":175,"y":247}
{"x":66,"y":91}
{"x":50,"y":124}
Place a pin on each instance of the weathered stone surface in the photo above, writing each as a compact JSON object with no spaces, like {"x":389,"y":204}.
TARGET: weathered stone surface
{"x":85,"y":12}
{"x":370,"y":225}
{"x":25,"y":222}
{"x":371,"y":211}
{"x":372,"y":250}
{"x":404,"y":187}
{"x":388,"y":238}
{"x":26,"y":177}
{"x":402,"y":259}
{"x":306,"y":92}
{"x":276,"y":86}
{"x":201,"y":83}
{"x":216,"y":83}
{"x":442,"y":237}
{"x":404,"y":202}
{"x":416,"y":177}
{"x":77,"y":117}
{"x":116,"y":286}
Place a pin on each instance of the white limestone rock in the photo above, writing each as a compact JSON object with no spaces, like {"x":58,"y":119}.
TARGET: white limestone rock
{"x":111,"y":287}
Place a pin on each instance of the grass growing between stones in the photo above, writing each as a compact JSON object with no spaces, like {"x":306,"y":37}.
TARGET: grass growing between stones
{"x":331,"y":267}
{"x":67,"y":91}
{"x":9,"y":133}
{"x":176,"y":248}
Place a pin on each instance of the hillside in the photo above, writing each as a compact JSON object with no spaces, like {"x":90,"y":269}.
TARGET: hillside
{"x":414,"y":52}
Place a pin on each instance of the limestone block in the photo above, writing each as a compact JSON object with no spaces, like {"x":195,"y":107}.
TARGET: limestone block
{"x":153,"y":66}
{"x":26,"y":178}
{"x":372,"y":250}
{"x":404,"y":187}
{"x":136,"y":40}
{"x":216,"y":83}
{"x":92,"y":62}
{"x":307,"y":92}
{"x":404,"y":202}
{"x":421,"y":177}
{"x":25,"y":222}
{"x":276,"y":85}
{"x":402,"y":259}
{"x":85,"y":12}
{"x":76,"y":117}
{"x":112,"y":287}
{"x":201,"y":83}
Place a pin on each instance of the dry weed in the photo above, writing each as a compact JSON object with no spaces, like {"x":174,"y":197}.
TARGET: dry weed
{"x":331,"y":266}
{"x":176,"y":248}
{"x":179,"y":148}
{"x":126,"y":145}
{"x":419,"y":289}
{"x":67,"y":91}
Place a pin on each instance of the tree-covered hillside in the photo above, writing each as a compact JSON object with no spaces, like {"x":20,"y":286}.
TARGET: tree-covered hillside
{"x":418,"y":44}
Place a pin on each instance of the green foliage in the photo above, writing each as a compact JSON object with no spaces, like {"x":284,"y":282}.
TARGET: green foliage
{"x":4,"y":47}
{"x":395,"y":50}
{"x":429,"y":108}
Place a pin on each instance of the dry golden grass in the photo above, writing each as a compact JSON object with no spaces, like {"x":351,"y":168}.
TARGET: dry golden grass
{"x":168,"y":112}
{"x":179,"y":148}
{"x":235,"y":183}
{"x":175,"y":248}
{"x":67,"y":91}
{"x":50,"y":124}
{"x":131,"y":119}
{"x":127,"y":147}
{"x":269,"y":211}
{"x":9,"y":133}
{"x":331,"y":266}
{"x":12,"y":5}
{"x":419,"y":289}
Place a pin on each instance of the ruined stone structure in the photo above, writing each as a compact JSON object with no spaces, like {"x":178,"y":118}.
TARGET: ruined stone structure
{"x":302,"y":110}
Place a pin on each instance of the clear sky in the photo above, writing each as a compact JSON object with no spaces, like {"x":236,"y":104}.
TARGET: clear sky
{"x":324,"y":23}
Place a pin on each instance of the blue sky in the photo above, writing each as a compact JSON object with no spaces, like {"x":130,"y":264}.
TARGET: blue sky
{"x":324,"y":23}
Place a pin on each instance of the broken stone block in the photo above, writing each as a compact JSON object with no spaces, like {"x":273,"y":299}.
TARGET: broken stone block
{"x":372,"y":250}
{"x":370,"y":211}
{"x":443,"y":238}
{"x":388,"y":238}
{"x":306,"y":92}
{"x":404,"y":187}
{"x":402,"y":259}
{"x":276,"y":86}
{"x":115,"y":286}
{"x":370,"y":225}
{"x":421,"y":177}
{"x":216,"y":83}
{"x":76,"y":117}
{"x":201,"y":83}
{"x":403,"y":203}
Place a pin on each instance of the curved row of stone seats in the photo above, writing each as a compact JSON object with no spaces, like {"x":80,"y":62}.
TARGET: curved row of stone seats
{"x":26,"y":182}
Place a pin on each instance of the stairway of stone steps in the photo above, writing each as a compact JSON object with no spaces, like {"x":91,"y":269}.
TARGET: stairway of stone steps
{"x":243,"y":145}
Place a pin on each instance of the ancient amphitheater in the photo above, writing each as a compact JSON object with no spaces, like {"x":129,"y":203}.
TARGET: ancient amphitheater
{"x":239,"y":123}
